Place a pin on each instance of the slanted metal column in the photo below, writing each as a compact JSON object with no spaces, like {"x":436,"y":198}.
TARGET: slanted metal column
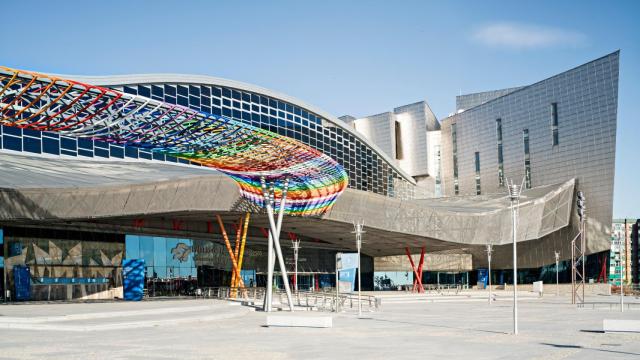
{"x":269,"y":287}
{"x":274,"y":230}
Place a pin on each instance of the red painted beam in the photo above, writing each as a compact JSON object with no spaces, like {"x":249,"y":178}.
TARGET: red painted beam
{"x":418,"y":277}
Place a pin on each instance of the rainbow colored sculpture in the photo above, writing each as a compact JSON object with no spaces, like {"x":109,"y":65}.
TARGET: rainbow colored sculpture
{"x":244,"y":152}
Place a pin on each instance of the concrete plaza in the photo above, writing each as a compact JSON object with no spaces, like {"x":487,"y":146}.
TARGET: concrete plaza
{"x":409,"y":326}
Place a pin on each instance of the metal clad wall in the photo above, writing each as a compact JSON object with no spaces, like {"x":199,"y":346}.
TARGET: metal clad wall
{"x":587,"y":98}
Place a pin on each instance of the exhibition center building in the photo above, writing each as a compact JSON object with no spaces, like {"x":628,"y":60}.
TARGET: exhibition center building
{"x":199,"y":178}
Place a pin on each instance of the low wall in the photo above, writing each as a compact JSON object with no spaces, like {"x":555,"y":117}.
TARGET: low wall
{"x":563,"y":289}
{"x":70,"y":292}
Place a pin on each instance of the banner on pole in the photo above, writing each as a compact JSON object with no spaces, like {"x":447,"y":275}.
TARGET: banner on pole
{"x":347,"y":268}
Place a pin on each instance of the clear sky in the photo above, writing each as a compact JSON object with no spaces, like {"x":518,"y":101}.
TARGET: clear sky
{"x":346,"y":57}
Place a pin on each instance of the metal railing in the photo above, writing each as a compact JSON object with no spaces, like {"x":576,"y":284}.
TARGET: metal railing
{"x":609,"y":305}
{"x":323,"y":300}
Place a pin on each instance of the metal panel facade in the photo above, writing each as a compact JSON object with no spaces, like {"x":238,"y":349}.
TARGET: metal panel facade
{"x":587,"y":102}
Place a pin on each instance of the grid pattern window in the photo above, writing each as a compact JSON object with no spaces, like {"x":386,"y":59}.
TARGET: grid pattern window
{"x":367,"y":171}
{"x":554,"y":124}
{"x":500,"y":154}
{"x":527,"y":159}
{"x":477,"y":161}
{"x":454,"y":146}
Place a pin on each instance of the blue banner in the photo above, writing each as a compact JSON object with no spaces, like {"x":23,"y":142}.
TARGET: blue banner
{"x":483,"y":276}
{"x":133,"y":274}
{"x":347,"y":265}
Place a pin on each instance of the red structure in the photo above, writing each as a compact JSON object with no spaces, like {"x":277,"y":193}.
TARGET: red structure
{"x":417,"y":272}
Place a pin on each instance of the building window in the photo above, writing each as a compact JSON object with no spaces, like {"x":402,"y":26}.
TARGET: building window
{"x":454,"y":145}
{"x":500,"y":156}
{"x":477,"y":173}
{"x":554,"y":124}
{"x":438,"y":174}
{"x":527,"y":159}
{"x":398,"y":141}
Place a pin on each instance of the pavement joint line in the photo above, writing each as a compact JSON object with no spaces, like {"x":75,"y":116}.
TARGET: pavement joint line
{"x":116,"y":326}
{"x":101,"y":315}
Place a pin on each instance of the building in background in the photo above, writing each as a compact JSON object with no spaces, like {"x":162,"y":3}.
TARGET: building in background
{"x":410,"y":136}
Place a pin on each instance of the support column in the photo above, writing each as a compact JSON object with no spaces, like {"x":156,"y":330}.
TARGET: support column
{"x":228,"y":245}
{"x":418,"y":277}
{"x":275,"y":232}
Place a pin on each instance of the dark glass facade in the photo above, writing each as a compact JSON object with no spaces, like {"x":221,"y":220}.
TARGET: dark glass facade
{"x":366,"y":169}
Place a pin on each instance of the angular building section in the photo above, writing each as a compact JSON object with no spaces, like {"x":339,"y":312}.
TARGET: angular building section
{"x":404,"y":134}
{"x":560,"y":128}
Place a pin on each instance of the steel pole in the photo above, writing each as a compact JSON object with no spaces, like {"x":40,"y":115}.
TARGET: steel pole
{"x":276,"y":241}
{"x":269,"y":289}
{"x":557,"y":255}
{"x":267,"y":296}
{"x":295,"y":260}
{"x":621,"y":284}
{"x":557,"y":280}
{"x":337,"y":283}
{"x":490,"y":298}
{"x":514,"y":195}
{"x":515,"y":271}
{"x":359,"y":236}
{"x":584,"y":255}
{"x":4,"y":270}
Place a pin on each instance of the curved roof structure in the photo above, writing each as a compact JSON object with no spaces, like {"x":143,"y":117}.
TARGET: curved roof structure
{"x":137,"y":79}
{"x":243,"y":152}
{"x":115,"y":195}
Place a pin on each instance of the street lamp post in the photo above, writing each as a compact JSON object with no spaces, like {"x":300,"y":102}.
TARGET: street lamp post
{"x":619,"y":245}
{"x":296,"y":250}
{"x":489,"y":251}
{"x":621,"y":288}
{"x":514,"y":196}
{"x":358,"y":226}
{"x":557,"y":254}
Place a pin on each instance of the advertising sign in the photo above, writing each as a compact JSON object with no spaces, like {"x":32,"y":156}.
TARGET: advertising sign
{"x":347,"y":267}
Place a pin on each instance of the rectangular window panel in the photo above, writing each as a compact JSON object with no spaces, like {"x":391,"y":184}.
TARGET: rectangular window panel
{"x":158,"y":156}
{"x":500,"y":154}
{"x":477,"y":160}
{"x":131,"y":152}
{"x":554,"y":124}
{"x":454,"y":144}
{"x":398,"y":141}
{"x":527,"y":159}
{"x":32,"y":145}
{"x":116,"y":151}
{"x":86,"y":153}
{"x":68,"y":144}
{"x":51,"y":146}
{"x":144,"y":91}
{"x":145,"y":155}
{"x":170,"y":90}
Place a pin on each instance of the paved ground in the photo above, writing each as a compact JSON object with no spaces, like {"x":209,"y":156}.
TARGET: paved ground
{"x":408,"y":327}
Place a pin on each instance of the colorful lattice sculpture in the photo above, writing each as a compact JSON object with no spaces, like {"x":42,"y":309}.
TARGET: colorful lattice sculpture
{"x":245,"y":153}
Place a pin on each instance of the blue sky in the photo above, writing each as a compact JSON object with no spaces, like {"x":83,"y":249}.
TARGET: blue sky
{"x":346,"y":57}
